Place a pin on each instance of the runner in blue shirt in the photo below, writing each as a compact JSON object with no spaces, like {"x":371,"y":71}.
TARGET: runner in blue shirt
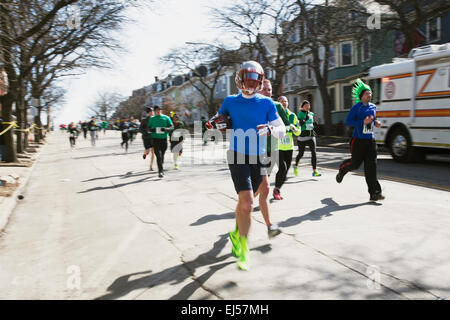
{"x":362,"y":117}
{"x":253,"y":117}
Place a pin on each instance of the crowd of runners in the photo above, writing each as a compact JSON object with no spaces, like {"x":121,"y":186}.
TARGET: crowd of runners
{"x":262,"y":135}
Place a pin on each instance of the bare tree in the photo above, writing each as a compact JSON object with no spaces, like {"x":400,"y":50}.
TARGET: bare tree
{"x":323,"y":25}
{"x":11,"y":12}
{"x":105,"y":105}
{"x":205,"y":64}
{"x":132,"y":107}
{"x":408,"y":15}
{"x":266,"y":29}
{"x":58,"y":41}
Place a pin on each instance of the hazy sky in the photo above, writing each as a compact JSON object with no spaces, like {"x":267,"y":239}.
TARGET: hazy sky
{"x":169,"y":24}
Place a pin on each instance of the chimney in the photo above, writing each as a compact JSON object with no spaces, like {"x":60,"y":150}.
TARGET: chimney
{"x":156,"y":79}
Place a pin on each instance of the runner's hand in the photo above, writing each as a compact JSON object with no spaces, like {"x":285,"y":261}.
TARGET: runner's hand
{"x":264,"y":130}
{"x":368,"y":119}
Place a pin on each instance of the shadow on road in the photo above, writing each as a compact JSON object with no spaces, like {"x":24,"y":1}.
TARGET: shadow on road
{"x":114,"y":186}
{"x":177,"y":274}
{"x":213,"y":217}
{"x":107,"y":155}
{"x":129,"y":174}
{"x":318,"y":214}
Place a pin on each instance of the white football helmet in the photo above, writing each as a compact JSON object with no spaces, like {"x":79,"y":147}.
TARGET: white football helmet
{"x":249,"y":79}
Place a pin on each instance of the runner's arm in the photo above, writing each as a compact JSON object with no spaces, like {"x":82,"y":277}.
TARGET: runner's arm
{"x":277,"y":128}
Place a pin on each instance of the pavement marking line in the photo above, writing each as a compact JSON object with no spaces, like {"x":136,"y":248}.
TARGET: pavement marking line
{"x":112,"y":259}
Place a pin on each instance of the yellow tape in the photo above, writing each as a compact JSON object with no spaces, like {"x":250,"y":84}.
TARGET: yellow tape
{"x":23,"y":130}
{"x":34,"y":125}
{"x":7,"y":129}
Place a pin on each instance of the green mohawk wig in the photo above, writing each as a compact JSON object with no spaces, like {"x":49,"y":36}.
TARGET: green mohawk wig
{"x":358,"y":88}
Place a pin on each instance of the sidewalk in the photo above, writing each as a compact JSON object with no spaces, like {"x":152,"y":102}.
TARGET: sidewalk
{"x":13,"y":179}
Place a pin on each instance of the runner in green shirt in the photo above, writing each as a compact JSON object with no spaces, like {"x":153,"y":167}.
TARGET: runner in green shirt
{"x":307,"y":137}
{"x":160,"y":125}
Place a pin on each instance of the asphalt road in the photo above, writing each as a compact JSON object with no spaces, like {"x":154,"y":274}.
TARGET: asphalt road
{"x":96,"y":224}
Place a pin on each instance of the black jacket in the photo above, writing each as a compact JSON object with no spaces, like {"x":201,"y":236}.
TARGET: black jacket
{"x":144,"y":129}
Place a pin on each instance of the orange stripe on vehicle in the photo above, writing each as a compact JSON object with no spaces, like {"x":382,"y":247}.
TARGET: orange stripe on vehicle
{"x":434,"y":93}
{"x":393,"y":114}
{"x":407,"y":75}
{"x":433,"y":113}
{"x":421,"y":92}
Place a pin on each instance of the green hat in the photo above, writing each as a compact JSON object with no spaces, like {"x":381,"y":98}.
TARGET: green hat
{"x":358,"y":88}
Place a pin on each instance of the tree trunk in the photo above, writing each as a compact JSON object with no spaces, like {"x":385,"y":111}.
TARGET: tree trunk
{"x":37,"y":120}
{"x":326,"y":109}
{"x":20,"y":123}
{"x":277,"y":85}
{"x":11,"y":155}
{"x":48,"y":119}
{"x":26,"y":134}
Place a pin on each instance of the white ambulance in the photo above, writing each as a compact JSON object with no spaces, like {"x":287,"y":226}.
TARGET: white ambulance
{"x":414,"y":107}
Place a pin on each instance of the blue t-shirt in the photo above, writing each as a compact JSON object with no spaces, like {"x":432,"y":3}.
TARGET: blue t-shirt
{"x":246,"y":115}
{"x":355,"y":119}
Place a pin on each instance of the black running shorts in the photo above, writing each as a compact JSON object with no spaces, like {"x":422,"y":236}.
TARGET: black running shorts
{"x":245,"y":171}
{"x":148,"y":143}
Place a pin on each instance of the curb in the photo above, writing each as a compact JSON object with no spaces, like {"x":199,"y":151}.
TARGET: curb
{"x":10,"y":203}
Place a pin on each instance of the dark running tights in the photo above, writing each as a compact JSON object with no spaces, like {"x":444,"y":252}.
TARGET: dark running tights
{"x":301,"y":150}
{"x":160,"y":147}
{"x":284,"y":163}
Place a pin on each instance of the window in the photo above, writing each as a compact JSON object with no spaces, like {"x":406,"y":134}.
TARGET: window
{"x":332,"y":58}
{"x":293,"y":37}
{"x":309,"y":69}
{"x":434,"y":29}
{"x":332,"y":93}
{"x":365,"y":52}
{"x":346,"y":54}
{"x":348,"y":98}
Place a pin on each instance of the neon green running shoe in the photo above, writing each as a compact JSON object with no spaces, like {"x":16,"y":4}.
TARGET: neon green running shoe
{"x":316,"y":173}
{"x":295,"y":171}
{"x":243,"y":262}
{"x":236,"y":242}
{"x":176,"y":167}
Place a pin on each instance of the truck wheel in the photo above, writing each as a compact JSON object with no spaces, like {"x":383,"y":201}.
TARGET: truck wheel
{"x":401,"y":148}
{"x":400,"y":145}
